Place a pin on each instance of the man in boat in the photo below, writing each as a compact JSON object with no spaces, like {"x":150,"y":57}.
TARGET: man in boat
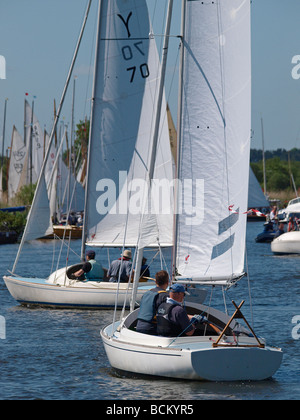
{"x":150,"y":302}
{"x":280,"y":230}
{"x":124,"y":264}
{"x":172,"y":318}
{"x":91,"y":269}
{"x":145,"y":270}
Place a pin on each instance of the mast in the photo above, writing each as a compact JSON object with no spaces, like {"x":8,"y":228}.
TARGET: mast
{"x":30,"y":144}
{"x":41,"y":176}
{"x":140,"y":251}
{"x":84,"y":227}
{"x":179,"y":112}
{"x":3,"y":140}
{"x":70,"y":151}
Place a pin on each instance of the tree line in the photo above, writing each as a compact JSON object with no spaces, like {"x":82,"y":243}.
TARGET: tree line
{"x":282,"y":167}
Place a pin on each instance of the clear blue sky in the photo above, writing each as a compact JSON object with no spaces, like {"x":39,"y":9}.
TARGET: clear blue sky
{"x":38,"y":37}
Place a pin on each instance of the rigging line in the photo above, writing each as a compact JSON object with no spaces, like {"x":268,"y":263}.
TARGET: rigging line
{"x":141,"y":38}
{"x":249,"y":289}
{"x":187,"y":47}
{"x":222,"y":75}
{"x":119,"y":276}
{"x":208,"y":311}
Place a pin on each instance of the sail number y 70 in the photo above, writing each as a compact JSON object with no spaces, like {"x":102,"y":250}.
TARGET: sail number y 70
{"x":128,"y":55}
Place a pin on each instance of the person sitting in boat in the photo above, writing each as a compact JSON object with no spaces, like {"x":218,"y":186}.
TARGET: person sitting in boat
{"x":124,"y":264}
{"x":280,"y":230}
{"x":145,"y":270}
{"x":291,"y":225}
{"x":91,"y":269}
{"x":72,"y":219}
{"x":269,"y":227}
{"x":172,"y":318}
{"x":150,"y":302}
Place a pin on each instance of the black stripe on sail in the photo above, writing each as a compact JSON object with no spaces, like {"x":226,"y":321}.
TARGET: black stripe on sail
{"x":223,"y":247}
{"x":227,"y":223}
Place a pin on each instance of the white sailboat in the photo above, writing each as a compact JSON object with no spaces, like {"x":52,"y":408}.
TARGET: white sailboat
{"x":209,"y":247}
{"x":126,"y":75}
{"x":16,"y":163}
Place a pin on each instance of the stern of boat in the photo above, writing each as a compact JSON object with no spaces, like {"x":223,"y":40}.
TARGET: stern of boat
{"x":237,"y":363}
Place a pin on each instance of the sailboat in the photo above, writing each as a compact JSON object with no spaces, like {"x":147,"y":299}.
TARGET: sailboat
{"x":209,"y":246}
{"x":125,"y":78}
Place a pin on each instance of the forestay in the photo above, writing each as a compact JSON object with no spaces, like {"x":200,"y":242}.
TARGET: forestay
{"x":215,"y":141}
{"x":125,"y":99}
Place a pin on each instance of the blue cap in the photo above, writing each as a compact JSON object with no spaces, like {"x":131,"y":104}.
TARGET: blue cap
{"x":178,"y":288}
{"x":91,"y":254}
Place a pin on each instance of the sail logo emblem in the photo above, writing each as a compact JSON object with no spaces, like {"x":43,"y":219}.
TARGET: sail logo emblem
{"x":224,"y":226}
{"x":2,"y":67}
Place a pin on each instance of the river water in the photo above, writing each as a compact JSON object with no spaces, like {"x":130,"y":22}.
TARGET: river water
{"x":58,"y":354}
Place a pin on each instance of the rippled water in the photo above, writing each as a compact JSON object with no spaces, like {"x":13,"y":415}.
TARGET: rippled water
{"x":58,"y":354}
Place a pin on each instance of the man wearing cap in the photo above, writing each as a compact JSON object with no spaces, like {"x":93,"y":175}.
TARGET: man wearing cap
{"x":172,"y":318}
{"x":124,"y":264}
{"x":91,"y":269}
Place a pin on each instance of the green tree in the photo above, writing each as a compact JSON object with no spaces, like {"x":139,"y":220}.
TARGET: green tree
{"x":25,"y":196}
{"x":12,"y":221}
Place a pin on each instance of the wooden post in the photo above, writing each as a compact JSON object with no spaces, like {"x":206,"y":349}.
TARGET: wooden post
{"x":238,"y":315}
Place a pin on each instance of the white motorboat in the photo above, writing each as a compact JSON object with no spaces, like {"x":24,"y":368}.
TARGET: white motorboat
{"x":292,"y":210}
{"x":287,"y":243}
{"x":209,"y":240}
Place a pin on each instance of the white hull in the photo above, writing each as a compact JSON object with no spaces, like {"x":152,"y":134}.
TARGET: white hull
{"x":84,"y":295}
{"x":288,"y":243}
{"x":192,"y":358}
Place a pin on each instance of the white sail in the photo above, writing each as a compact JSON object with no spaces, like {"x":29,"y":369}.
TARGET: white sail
{"x":122,"y":132}
{"x":256,"y":197}
{"x":67,"y":183}
{"x":16,"y":164}
{"x":215,"y":140}
{"x":39,"y":224}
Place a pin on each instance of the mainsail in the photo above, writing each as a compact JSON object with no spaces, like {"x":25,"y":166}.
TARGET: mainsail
{"x":125,"y":100}
{"x":215,"y":141}
{"x":16,"y":163}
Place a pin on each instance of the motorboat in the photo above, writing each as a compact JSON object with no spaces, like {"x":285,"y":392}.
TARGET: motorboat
{"x":287,"y":243}
{"x":292,"y":210}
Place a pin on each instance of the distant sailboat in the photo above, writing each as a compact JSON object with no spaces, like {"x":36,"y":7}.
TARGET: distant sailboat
{"x":16,"y":163}
{"x":256,"y":199}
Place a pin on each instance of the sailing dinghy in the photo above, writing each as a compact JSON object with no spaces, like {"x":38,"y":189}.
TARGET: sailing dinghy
{"x":209,"y":246}
{"x":125,"y":79}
